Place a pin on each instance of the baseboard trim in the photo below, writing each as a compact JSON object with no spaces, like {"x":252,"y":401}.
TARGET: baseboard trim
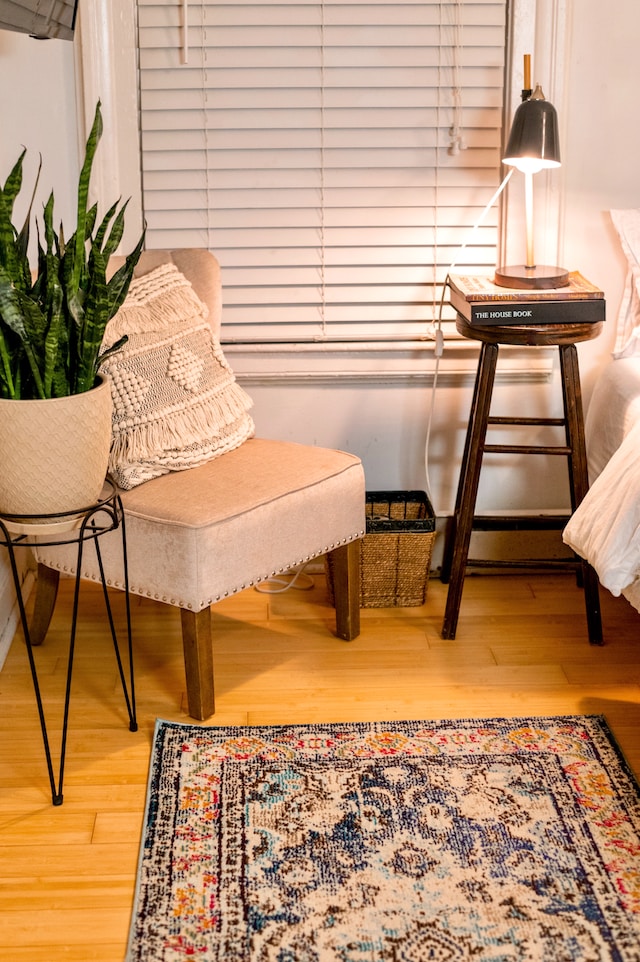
{"x":8,"y":630}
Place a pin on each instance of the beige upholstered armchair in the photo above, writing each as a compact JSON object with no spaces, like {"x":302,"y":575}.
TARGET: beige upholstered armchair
{"x":196,"y":536}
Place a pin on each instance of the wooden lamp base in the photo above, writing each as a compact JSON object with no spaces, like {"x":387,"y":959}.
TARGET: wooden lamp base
{"x":524,"y":278}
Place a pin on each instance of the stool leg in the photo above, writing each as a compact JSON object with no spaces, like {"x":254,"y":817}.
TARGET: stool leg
{"x":451,"y":534}
{"x":579,"y":475}
{"x":459,"y":536}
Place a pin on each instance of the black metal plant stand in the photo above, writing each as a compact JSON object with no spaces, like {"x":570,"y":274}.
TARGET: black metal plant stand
{"x":72,"y":527}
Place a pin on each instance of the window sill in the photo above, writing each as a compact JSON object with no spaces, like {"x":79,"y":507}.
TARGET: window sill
{"x":411,"y":362}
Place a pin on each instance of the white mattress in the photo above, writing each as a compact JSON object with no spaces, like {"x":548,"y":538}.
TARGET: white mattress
{"x":605,"y":529}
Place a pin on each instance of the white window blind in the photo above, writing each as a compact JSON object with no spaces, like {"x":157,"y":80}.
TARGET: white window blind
{"x":312,"y":146}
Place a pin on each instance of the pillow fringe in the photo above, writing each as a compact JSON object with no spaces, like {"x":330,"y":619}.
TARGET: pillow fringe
{"x":210,"y":416}
{"x":131,"y":473}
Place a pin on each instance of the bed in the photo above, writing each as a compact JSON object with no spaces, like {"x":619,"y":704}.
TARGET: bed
{"x":605,"y":529}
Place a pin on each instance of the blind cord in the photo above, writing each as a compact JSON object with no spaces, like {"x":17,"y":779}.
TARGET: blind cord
{"x":456,"y":132}
{"x":323,"y":279}
{"x":205,"y":121}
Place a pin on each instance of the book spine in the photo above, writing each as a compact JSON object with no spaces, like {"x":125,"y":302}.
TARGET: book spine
{"x":534,"y":312}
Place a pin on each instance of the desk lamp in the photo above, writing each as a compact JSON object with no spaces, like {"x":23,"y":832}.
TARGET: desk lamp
{"x":533,"y":146}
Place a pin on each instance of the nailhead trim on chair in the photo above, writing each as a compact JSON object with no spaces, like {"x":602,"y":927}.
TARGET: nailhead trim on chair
{"x":233,"y":591}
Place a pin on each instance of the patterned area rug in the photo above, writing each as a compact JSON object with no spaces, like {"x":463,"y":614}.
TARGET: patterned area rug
{"x":492,"y":839}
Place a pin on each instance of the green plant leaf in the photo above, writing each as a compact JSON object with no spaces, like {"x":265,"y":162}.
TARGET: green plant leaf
{"x":22,"y":315}
{"x":119,"y":344}
{"x":7,"y":197}
{"x":8,"y":385}
{"x":14,"y":244}
{"x":51,"y":328}
{"x":120,"y":282}
{"x":96,"y":308}
{"x":93,"y":140}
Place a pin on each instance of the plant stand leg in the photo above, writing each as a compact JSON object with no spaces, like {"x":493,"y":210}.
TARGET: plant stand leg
{"x":90,"y":529}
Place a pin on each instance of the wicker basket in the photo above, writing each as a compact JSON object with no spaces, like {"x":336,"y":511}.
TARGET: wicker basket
{"x":396,"y":550}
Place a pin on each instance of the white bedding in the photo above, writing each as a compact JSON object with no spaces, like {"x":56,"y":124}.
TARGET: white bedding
{"x":605,"y":529}
{"x":613,"y":411}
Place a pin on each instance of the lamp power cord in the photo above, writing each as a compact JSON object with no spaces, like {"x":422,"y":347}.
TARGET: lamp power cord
{"x":435,"y":329}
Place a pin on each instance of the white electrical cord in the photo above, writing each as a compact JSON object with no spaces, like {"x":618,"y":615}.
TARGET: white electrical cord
{"x":436,"y":328}
{"x":293,"y":578}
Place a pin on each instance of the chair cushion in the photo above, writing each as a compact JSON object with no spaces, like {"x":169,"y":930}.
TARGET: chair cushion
{"x":176,"y":402}
{"x":194,"y":537}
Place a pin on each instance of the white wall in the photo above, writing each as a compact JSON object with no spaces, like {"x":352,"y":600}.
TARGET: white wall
{"x":37,"y":111}
{"x":385,"y":423}
{"x":601,"y":152}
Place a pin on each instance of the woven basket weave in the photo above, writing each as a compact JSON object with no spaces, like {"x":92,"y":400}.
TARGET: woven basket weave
{"x":396,"y":550}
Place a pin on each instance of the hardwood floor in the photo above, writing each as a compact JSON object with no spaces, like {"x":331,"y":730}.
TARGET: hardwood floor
{"x":67,"y":873}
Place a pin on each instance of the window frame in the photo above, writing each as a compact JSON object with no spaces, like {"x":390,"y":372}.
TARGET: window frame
{"x":106,"y":56}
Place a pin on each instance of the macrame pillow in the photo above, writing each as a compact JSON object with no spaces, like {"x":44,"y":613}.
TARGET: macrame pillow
{"x":176,"y":402}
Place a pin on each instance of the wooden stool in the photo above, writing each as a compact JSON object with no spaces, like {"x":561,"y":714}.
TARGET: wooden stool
{"x":464,"y":521}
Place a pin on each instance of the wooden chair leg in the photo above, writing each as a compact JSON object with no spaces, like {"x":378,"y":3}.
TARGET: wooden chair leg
{"x":346,"y":589}
{"x":198,"y":662}
{"x":47,"y":583}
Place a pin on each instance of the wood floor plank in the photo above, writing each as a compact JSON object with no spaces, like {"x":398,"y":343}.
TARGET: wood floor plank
{"x":74,"y":861}
{"x":68,"y":828}
{"x":57,"y":893}
{"x":27,"y":928}
{"x":67,"y":874}
{"x":72,"y":953}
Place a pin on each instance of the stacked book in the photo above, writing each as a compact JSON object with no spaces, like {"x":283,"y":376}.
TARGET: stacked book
{"x":484,"y":304}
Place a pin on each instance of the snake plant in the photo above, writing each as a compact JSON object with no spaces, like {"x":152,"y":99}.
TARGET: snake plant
{"x":52,"y":320}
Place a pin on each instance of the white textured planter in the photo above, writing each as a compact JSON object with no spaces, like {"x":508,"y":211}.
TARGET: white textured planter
{"x":54,"y":453}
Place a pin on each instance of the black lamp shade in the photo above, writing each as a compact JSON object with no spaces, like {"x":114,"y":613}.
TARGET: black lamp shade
{"x":534,"y":135}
